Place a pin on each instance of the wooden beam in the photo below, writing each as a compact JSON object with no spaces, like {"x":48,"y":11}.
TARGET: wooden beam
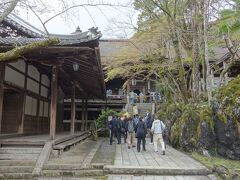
{"x":53,"y":110}
{"x":69,"y":78}
{"x":83,"y":115}
{"x":86,"y":114}
{"x":99,"y":65}
{"x":73,"y":110}
{"x":2,"y":75}
{"x":9,"y":85}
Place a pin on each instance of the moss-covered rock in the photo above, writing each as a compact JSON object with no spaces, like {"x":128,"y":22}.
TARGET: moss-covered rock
{"x":226,"y":106}
{"x":198,"y":126}
{"x":227,"y":101}
{"x":190,"y":126}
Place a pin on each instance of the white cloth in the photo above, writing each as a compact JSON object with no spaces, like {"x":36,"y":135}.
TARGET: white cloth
{"x":158,"y":138}
{"x":157,"y":127}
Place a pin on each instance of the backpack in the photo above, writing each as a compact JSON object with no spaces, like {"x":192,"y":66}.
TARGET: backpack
{"x":164,"y":130}
{"x":130,"y":127}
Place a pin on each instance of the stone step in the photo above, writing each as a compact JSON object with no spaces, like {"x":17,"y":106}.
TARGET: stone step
{"x":158,"y":177}
{"x":65,"y":167}
{"x":16,"y":176}
{"x":15,"y":169}
{"x":73,"y":178}
{"x":17,"y":150}
{"x":148,"y":170}
{"x":17,"y":163}
{"x":18,"y":156}
{"x":72,"y":173}
{"x":15,"y":143}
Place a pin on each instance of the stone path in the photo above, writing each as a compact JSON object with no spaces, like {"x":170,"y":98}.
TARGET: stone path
{"x":129,"y":161}
{"x":124,"y":177}
{"x":172,"y":159}
{"x":128,"y":164}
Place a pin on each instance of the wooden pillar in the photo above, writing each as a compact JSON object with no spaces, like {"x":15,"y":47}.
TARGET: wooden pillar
{"x":53,"y":109}
{"x":38,"y":104}
{"x":21,"y":128}
{"x":86,"y":114}
{"x":73,"y":110}
{"x":2,"y":74}
{"x":83,"y":114}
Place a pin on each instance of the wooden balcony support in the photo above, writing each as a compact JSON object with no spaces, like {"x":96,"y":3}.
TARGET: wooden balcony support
{"x":83,"y":116}
{"x":73,"y":109}
{"x":2,"y":74}
{"x":86,"y":114}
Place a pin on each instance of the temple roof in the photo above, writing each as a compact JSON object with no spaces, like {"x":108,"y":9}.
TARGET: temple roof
{"x":71,"y":39}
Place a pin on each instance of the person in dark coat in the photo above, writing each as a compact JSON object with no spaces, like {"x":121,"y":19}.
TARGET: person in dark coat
{"x":141,"y":131}
{"x":149,"y":121}
{"x":124,"y":128}
{"x":116,"y":130}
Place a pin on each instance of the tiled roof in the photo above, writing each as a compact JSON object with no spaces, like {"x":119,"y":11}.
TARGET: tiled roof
{"x":24,"y":26}
{"x":64,"y":39}
{"x":34,"y":32}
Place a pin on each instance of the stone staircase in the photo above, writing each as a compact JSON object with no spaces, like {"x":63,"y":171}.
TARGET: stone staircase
{"x":75,"y":163}
{"x":142,"y":108}
{"x":18,"y":162}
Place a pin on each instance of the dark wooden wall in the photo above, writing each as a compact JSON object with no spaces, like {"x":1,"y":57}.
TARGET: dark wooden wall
{"x":33,"y":124}
{"x":12,"y":105}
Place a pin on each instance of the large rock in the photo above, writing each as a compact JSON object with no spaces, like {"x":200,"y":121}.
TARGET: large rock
{"x":228,"y":140}
{"x":207,"y":136}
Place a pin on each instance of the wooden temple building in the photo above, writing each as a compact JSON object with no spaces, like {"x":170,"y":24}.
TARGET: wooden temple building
{"x":33,"y":87}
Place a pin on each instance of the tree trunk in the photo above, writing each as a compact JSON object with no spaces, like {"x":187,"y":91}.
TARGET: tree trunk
{"x":18,"y":52}
{"x":178,"y":57}
{"x":195,"y":50}
{"x":206,"y":56}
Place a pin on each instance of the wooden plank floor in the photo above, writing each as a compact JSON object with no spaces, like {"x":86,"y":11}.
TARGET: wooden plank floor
{"x":38,"y":137}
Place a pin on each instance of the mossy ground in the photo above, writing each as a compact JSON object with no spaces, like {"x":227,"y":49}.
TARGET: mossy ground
{"x":233,"y":166}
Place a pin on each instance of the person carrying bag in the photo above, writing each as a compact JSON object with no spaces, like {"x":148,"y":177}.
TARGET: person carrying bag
{"x":158,"y":129}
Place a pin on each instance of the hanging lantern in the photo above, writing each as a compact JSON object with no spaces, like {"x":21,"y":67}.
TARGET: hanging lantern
{"x":75,"y":66}
{"x":134,"y":82}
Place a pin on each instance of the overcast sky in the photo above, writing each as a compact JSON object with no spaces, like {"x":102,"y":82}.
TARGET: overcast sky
{"x":111,"y":21}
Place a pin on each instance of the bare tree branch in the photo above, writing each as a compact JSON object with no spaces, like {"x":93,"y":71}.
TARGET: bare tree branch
{"x":83,"y":5}
{"x":45,"y":28}
{"x":90,"y":15}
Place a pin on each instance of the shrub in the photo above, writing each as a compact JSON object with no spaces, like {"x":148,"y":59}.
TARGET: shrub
{"x":103,"y":118}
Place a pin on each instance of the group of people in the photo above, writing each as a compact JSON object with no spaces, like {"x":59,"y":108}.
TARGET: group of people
{"x":138,"y":127}
{"x":141,"y":98}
